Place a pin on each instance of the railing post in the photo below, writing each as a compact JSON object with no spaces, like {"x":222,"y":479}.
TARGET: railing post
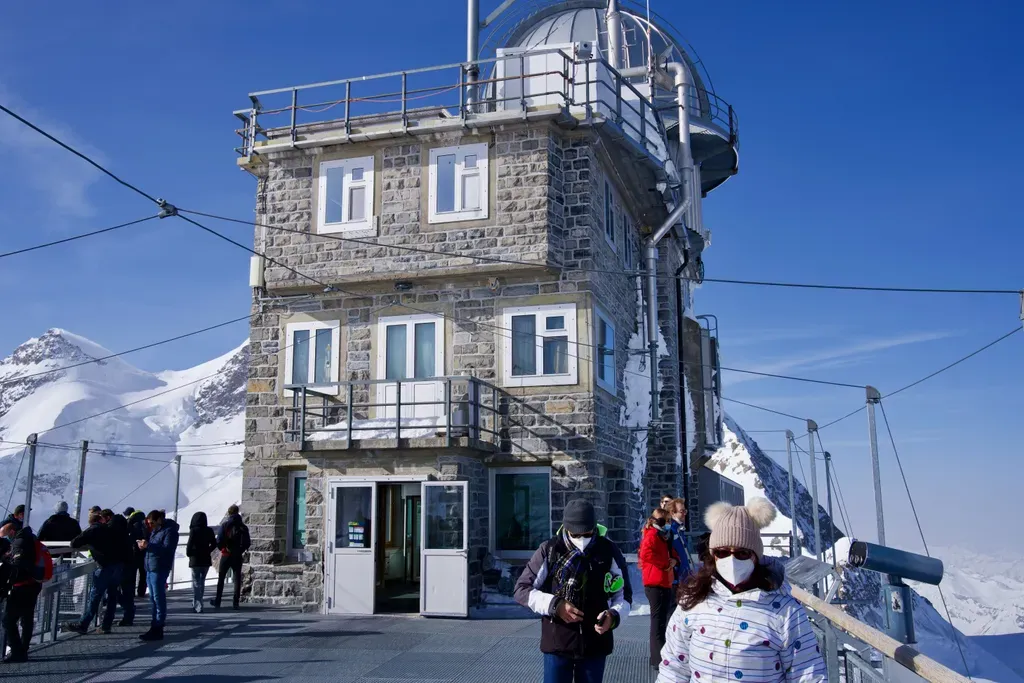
{"x":55,"y":624}
{"x":448,"y":417}
{"x":349,"y":415}
{"x":398,"y":410}
{"x":348,"y":107}
{"x":522,"y":84}
{"x":295,"y":110}
{"x":323,"y":412}
{"x":405,"y":118}
{"x":462,"y":93}
{"x":618,"y":97}
{"x":302,"y":420}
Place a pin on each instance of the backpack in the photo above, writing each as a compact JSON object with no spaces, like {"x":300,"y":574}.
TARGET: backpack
{"x":44,"y":563}
{"x":244,"y":541}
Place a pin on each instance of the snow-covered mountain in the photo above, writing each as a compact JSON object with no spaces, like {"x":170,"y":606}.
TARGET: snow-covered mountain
{"x":742,"y":460}
{"x":49,"y":386}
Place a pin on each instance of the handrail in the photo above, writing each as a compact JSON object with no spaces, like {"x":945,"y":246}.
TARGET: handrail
{"x":904,"y":655}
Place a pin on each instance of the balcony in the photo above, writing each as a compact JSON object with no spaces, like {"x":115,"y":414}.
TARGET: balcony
{"x":459,"y":414}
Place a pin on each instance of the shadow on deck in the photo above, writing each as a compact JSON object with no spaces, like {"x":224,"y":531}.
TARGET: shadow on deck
{"x":259,"y":643}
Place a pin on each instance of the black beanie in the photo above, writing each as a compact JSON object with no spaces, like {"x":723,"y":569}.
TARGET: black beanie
{"x":579,"y":516}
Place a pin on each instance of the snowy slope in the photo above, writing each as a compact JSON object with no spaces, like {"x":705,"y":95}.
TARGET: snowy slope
{"x":193,"y":412}
{"x":741,"y":459}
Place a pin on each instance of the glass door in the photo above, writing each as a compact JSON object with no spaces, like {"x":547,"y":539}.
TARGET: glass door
{"x":349,"y":583}
{"x":445,"y":565}
{"x":411,"y":349}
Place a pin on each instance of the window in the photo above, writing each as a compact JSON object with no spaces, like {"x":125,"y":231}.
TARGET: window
{"x":609,"y":215}
{"x":541,"y":350}
{"x":296,"y":513}
{"x":604,"y":351}
{"x":345,"y":196}
{"x":458,"y":183}
{"x":311,"y":356}
{"x":520,"y":510}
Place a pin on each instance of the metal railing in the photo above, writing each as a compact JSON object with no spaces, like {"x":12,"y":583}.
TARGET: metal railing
{"x":449,"y":408}
{"x":519,"y":84}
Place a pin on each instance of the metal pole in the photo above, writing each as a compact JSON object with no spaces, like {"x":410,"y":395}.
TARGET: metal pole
{"x":81,"y":479}
{"x":472,"y":49}
{"x":32,"y":439}
{"x":873,"y":397}
{"x":812,"y":430}
{"x":177,"y":484}
{"x":794,"y":543}
{"x":828,"y":497}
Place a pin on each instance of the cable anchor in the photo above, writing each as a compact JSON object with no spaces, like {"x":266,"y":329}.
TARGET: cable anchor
{"x":166,"y":209}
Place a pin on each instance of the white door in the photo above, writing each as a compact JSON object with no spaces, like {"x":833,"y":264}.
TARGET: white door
{"x":444,"y":573}
{"x":411,"y":349}
{"x":349,"y":584}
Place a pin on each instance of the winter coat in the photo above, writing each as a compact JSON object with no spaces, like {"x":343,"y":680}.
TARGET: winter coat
{"x":22,"y":558}
{"x":201,"y":542}
{"x":233,"y":538}
{"x":102,"y":543}
{"x":655,"y":554}
{"x":163,"y":544}
{"x":11,"y":519}
{"x":756,"y":635}
{"x":137,"y":531}
{"x":682,"y":569}
{"x":605,"y":582}
{"x":122,"y":541}
{"x":60,"y":527}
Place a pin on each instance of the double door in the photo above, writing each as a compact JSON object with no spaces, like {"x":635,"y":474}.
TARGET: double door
{"x":411,"y":350}
{"x":352,"y":538}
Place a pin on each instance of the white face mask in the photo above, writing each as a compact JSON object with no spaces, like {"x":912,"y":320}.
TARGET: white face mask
{"x":581,"y":543}
{"x":733,"y":571}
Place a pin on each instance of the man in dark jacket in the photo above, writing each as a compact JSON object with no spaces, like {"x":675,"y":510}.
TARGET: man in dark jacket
{"x":108,"y":552}
{"x":17,"y":518}
{"x":60,"y":527}
{"x":139,"y":531}
{"x":233,"y":541}
{"x":20,"y":608}
{"x":160,"y":548}
{"x":578,"y":582}
{"x":202,"y":543}
{"x":122,"y":539}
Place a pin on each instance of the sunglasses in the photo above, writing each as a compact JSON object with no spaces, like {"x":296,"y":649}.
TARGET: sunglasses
{"x":587,"y":534}
{"x":738,"y":553}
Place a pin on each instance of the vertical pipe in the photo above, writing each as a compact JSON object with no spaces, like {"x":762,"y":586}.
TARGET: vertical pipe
{"x":302,"y":420}
{"x":32,"y":439}
{"x":652,"y":322}
{"x":812,"y":430}
{"x":794,"y":548}
{"x":177,"y":484}
{"x":398,"y":410}
{"x":349,"y":413}
{"x":472,"y":49}
{"x":828,"y":498}
{"x":874,"y":397}
{"x":613,"y":25}
{"x":81,"y":479}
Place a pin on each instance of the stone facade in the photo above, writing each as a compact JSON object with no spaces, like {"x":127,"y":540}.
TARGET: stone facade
{"x":547,"y":211}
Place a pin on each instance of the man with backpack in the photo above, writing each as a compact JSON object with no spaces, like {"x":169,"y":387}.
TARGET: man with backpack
{"x":30,"y":564}
{"x":233,"y":541}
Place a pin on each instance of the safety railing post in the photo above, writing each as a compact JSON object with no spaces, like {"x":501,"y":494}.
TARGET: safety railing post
{"x":55,"y":624}
{"x":618,"y":97}
{"x":323,"y":412}
{"x":302,"y":419}
{"x":405,"y":118}
{"x":448,"y":412}
{"x":522,"y":84}
{"x":348,"y":107}
{"x":494,"y":412}
{"x":462,"y":93}
{"x":831,"y":652}
{"x":349,"y":414}
{"x":398,"y":410}
{"x":295,"y":110}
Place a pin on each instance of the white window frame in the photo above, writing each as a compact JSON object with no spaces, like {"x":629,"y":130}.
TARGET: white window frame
{"x":479,"y":151}
{"x":608,"y":384}
{"x":409,"y":322}
{"x":312,"y":327}
{"x":346,"y":224}
{"x":609,"y":215}
{"x":492,"y":512}
{"x":542,"y":312}
{"x":293,"y":553}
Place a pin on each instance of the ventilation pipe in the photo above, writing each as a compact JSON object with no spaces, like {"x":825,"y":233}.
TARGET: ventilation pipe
{"x":681,"y":81}
{"x":472,"y":49}
{"x":613,"y":24}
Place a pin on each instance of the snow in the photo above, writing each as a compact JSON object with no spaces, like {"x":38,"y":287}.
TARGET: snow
{"x":382,"y":428}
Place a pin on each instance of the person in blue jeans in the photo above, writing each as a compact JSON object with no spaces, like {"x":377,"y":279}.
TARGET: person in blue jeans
{"x":202,"y":543}
{"x":677,"y":510}
{"x":159,"y":548}
{"x":99,"y":539}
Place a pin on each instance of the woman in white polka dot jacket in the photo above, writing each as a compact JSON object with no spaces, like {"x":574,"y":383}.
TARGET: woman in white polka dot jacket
{"x":735,"y":620}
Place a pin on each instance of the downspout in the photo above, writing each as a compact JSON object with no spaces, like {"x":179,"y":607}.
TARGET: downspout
{"x":680,"y":334}
{"x":681,"y":81}
{"x":613,"y":24}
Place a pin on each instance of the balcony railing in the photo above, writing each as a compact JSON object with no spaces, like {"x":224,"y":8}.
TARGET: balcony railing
{"x":448,"y":411}
{"x":515,"y":86}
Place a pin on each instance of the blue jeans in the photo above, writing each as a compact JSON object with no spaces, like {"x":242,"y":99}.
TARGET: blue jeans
{"x":157,"y":584}
{"x":105,"y":581}
{"x":559,"y":669}
{"x":198,"y":587}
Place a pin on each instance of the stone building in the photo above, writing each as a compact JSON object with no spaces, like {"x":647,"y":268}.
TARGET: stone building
{"x":451,"y":320}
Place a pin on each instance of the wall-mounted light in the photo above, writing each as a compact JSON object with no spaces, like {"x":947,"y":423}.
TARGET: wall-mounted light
{"x":403,"y":286}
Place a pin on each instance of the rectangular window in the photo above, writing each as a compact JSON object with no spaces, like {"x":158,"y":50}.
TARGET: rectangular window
{"x":345,"y":195}
{"x":610,"y":215}
{"x":296,"y":512}
{"x":542,"y":348}
{"x":311,"y":355}
{"x":604,"y":352}
{"x":520,"y":510}
{"x":395,"y":352}
{"x":627,"y":245}
{"x":458,"y":184}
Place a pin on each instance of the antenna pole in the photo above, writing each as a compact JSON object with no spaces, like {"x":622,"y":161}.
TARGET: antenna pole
{"x":81,"y":479}
{"x":828,"y":498}
{"x":472,"y":49}
{"x":32,"y":439}
{"x":794,"y":540}
{"x":873,"y":397}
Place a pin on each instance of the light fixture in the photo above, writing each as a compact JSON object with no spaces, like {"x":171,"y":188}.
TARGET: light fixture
{"x":403,"y":286}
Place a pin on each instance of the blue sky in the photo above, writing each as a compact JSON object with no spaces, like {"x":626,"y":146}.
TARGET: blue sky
{"x":880,"y":145}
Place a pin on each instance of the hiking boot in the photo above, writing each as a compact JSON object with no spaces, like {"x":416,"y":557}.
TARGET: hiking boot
{"x":103,"y":629}
{"x":15,"y":659}
{"x":126,"y":622}
{"x":154,"y":633}
{"x":74,"y":627}
{"x":214,"y":604}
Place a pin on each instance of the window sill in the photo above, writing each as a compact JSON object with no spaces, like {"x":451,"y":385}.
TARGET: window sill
{"x":360,"y":229}
{"x":541,"y":380}
{"x":456,"y":217}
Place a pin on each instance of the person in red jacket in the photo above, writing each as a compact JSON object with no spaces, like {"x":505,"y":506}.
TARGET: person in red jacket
{"x":658,"y":560}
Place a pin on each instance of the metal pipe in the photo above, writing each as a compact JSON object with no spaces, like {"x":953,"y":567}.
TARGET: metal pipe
{"x":681,"y":81}
{"x":81,"y":479}
{"x":874,"y":397}
{"x":613,"y":24}
{"x":828,"y":499}
{"x":812,"y":430}
{"x":794,"y":549}
{"x":472,"y":48}
{"x":32,"y":439}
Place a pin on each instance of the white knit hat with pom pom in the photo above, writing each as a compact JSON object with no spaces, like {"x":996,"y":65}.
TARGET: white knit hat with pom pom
{"x":739,"y":527}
